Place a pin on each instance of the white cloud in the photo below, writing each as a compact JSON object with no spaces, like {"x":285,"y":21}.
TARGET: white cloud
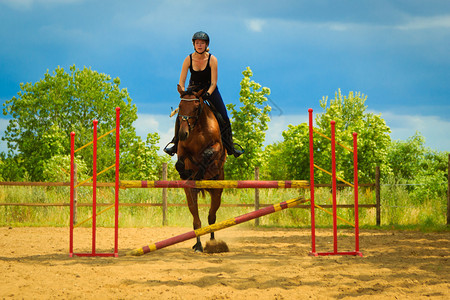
{"x":58,"y":33}
{"x":292,"y":25}
{"x":18,"y":4}
{"x":162,"y":124}
{"x":436,"y":130}
{"x":278,"y":124}
{"x":255,"y":25}
{"x":411,"y":23}
{"x":432,"y":22}
{"x":3,"y":124}
{"x":145,"y":124}
{"x":27,"y":4}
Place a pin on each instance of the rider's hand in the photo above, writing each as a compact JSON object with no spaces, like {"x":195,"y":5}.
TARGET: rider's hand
{"x":206,"y":96}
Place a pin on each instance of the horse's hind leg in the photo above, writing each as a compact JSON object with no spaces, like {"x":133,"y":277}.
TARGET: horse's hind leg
{"x":216,"y":198}
{"x":191,"y":196}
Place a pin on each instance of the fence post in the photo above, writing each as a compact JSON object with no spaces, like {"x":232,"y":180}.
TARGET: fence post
{"x":75,"y":194}
{"x":448,"y":192}
{"x":378,"y":194}
{"x":256,"y":195}
{"x":164,"y":194}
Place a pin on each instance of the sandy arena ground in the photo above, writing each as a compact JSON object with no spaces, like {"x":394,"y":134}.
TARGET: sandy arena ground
{"x":262,"y":264}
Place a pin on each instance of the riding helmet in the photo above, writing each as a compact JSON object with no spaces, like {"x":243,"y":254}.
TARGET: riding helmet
{"x":200,"y":35}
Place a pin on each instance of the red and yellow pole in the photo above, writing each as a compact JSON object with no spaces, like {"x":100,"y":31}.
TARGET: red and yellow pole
{"x":218,"y":226}
{"x":72,"y":184}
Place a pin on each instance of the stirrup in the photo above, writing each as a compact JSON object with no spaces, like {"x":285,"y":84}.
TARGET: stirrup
{"x":237,"y":152}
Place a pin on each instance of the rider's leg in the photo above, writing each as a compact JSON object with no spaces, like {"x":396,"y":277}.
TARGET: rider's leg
{"x":173,"y":149}
{"x":225,"y":125}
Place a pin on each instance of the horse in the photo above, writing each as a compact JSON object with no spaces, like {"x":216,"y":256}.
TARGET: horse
{"x":200,"y":154}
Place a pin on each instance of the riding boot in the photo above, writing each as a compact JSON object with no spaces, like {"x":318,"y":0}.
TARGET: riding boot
{"x":173,"y":149}
{"x":226,"y":134}
{"x":227,"y":140}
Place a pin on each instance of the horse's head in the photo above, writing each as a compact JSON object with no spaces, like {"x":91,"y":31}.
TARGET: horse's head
{"x":190,"y":108}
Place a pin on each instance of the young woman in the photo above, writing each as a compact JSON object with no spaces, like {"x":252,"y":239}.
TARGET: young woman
{"x":203,"y":68}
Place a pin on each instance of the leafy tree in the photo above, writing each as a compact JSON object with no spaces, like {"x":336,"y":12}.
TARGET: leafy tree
{"x":144,"y":161}
{"x":249,"y":125}
{"x":350,"y":115}
{"x":405,"y":157}
{"x":44,"y":113}
{"x":289,"y":159}
{"x":274,"y":166}
{"x":412,"y":162}
{"x":57,"y":169}
{"x":11,"y":168}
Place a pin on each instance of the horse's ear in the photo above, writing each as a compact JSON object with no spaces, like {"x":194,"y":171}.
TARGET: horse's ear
{"x":180,"y":90}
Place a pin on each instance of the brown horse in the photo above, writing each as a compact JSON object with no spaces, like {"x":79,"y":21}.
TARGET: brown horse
{"x":201,"y":154}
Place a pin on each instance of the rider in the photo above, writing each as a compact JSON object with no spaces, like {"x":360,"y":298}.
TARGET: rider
{"x":203,"y":68}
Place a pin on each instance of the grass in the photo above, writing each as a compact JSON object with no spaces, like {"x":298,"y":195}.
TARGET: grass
{"x":398,"y":209}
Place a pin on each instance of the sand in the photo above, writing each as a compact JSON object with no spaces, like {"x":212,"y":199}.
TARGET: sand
{"x":262,"y":264}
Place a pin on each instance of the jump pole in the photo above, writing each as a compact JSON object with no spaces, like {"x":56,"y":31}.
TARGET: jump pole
{"x":94,"y":192}
{"x":355,"y":191}
{"x":311,"y":182}
{"x":215,"y":184}
{"x":218,"y":226}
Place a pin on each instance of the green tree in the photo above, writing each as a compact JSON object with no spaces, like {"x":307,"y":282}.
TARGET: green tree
{"x":44,"y":113}
{"x":57,"y":169}
{"x":249,"y":126}
{"x":433,"y":176}
{"x":350,"y":115}
{"x":373,"y":136}
{"x":11,"y":168}
{"x":288,"y":159}
{"x":144,"y":161}
{"x":413,"y":163}
{"x":406,"y":157}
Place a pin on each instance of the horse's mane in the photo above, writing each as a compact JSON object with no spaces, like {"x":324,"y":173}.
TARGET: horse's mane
{"x":191,"y":90}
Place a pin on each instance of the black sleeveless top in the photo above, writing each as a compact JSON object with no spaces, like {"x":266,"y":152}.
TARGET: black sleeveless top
{"x":200,"y":79}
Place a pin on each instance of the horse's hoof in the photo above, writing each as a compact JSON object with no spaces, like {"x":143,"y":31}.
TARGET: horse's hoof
{"x":198,"y":247}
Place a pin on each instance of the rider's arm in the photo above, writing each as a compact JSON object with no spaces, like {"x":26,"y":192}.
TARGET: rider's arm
{"x":184,"y":71}
{"x":213,"y":64}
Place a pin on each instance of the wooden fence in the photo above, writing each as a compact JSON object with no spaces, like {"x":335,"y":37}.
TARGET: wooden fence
{"x":256,"y":204}
{"x":164,"y":203}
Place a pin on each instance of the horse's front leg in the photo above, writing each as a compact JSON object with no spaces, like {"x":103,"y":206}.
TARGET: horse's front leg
{"x":213,"y":159}
{"x":216,"y":199}
{"x":213,"y":245}
{"x":191,"y":196}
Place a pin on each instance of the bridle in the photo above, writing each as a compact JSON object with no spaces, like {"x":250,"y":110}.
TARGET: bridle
{"x":186,"y":118}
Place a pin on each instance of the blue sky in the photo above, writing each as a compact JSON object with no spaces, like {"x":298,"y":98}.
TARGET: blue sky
{"x":395,"y":52}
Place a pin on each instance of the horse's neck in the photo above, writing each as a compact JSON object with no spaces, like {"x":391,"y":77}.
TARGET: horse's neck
{"x":207,"y":123}
{"x":207,"y":116}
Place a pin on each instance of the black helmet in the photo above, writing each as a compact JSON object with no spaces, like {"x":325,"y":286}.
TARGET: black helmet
{"x":200,"y":36}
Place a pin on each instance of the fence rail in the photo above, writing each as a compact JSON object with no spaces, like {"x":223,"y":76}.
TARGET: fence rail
{"x":178,"y":204}
{"x":164,"y":204}
{"x":111,"y":184}
{"x":29,"y":183}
